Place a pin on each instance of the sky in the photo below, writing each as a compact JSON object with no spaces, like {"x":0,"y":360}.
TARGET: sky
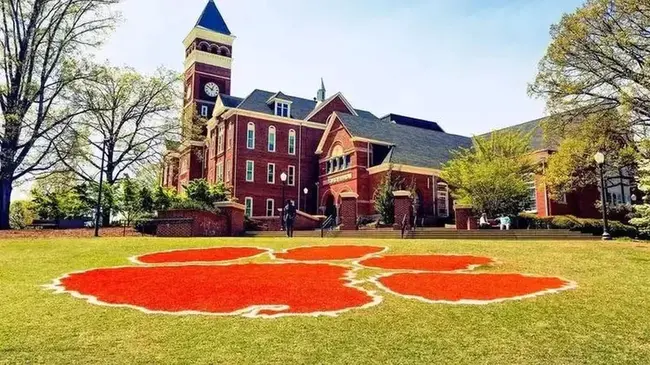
{"x":465,"y":64}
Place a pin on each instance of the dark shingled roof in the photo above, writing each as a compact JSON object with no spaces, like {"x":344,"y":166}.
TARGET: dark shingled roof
{"x":412,"y":146}
{"x":300,"y":107}
{"x":211,"y":19}
{"x":230,"y":101}
{"x":534,"y":127}
{"x":413,"y":122}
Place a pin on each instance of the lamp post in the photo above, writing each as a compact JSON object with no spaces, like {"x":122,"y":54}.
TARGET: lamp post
{"x":600,"y":160}
{"x":283,"y":178}
{"x":99,"y":194}
{"x":306,"y":191}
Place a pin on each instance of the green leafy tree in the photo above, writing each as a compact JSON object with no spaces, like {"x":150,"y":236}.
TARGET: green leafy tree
{"x":147,"y":203}
{"x":383,"y":196}
{"x":132,"y":115}
{"x":203,"y":193}
{"x":22,"y":214}
{"x":596,"y":68}
{"x":164,"y":198}
{"x":493,"y":175}
{"x":130,"y":201}
{"x":41,"y":59}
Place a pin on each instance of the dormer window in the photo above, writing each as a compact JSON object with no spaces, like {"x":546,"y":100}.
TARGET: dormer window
{"x":282,"y":109}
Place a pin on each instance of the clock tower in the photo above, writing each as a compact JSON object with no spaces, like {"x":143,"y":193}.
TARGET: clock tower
{"x":208,"y":61}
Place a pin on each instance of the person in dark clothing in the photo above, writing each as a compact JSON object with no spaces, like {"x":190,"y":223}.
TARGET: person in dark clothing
{"x":289,"y":217}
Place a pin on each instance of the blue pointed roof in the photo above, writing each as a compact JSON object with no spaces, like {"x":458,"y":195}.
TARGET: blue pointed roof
{"x":211,"y":19}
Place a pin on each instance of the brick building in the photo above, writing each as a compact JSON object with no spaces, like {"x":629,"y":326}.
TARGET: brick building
{"x":324,"y":145}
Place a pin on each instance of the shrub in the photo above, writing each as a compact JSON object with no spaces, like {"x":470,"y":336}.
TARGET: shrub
{"x":584,"y":225}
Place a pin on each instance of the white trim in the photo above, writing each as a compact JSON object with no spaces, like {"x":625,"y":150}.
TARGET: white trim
{"x":248,"y":130}
{"x":266,"y":207}
{"x":289,"y":175}
{"x":274,"y":132}
{"x":252,"y":164}
{"x":328,"y":129}
{"x":322,"y":105}
{"x":268,"y":170}
{"x":404,"y":168}
{"x":272,"y":118}
{"x":246,"y":200}
{"x":292,"y":133}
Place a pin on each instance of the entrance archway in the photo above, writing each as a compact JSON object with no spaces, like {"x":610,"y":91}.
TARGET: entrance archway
{"x":330,"y":206}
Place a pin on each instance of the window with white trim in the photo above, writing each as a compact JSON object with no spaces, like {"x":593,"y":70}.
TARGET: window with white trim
{"x":291,"y":175}
{"x":282,"y":109}
{"x":250,"y":136}
{"x":248,"y":203}
{"x":531,"y":205}
{"x":272,"y":138}
{"x":270,"y":207}
{"x":220,"y":138}
{"x":230,"y":137}
{"x":220,"y":171}
{"x":270,"y":173}
{"x":228,"y":170}
{"x":292,"y":142}
{"x":250,"y":171}
{"x":204,"y":111}
{"x":443,"y":200}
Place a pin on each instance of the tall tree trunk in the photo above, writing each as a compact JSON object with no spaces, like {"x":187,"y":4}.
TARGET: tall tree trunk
{"x":5,"y":203}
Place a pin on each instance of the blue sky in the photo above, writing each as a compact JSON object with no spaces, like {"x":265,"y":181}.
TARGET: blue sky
{"x":463,"y":63}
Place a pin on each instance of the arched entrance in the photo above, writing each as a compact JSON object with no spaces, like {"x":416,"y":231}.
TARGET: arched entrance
{"x":330,"y":206}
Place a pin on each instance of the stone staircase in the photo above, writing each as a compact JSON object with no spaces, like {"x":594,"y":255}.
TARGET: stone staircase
{"x":441,"y":234}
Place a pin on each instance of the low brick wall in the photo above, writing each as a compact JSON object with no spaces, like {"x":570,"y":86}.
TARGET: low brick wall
{"x":228,"y":222}
{"x":304,"y":222}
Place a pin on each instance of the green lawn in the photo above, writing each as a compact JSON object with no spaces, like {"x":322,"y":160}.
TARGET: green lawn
{"x":605,"y":321}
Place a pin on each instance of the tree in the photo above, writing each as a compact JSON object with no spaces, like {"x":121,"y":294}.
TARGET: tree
{"x":130,"y":118}
{"x":572,"y":167}
{"x":22,"y":214}
{"x":147,"y":203}
{"x":641,"y":217}
{"x":203,"y":193}
{"x":597,"y":62}
{"x":40,"y":46}
{"x":493,"y":176}
{"x":383,"y":196}
{"x":130,"y":201}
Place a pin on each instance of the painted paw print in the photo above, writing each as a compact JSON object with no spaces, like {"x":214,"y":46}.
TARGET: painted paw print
{"x":303,"y":281}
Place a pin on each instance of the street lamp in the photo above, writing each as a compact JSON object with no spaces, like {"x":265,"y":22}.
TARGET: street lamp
{"x":306,"y":191}
{"x":283,"y":178}
{"x":599,"y":157}
{"x":99,"y":194}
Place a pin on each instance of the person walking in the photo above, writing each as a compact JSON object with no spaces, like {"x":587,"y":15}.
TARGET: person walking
{"x":289,"y":217}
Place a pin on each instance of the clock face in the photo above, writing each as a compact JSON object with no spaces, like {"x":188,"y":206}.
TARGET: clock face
{"x":212,"y":89}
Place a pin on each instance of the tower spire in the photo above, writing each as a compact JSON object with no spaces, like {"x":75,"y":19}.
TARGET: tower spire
{"x":322,"y":93}
{"x":211,"y":19}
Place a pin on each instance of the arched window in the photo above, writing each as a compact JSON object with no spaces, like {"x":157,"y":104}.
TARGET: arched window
{"x":204,"y":46}
{"x":224,"y":51}
{"x":292,"y":142}
{"x":337,"y":151}
{"x":443,"y":200}
{"x":250,"y":136}
{"x":271,"y":143}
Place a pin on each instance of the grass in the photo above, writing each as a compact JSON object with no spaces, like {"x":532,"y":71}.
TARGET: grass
{"x":605,"y":321}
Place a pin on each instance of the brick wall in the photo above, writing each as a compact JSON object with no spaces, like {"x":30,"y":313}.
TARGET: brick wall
{"x":348,"y":212}
{"x":229,"y":222}
{"x":403,"y":208}
{"x":303,"y":222}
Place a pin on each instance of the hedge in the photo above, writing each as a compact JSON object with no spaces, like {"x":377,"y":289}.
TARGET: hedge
{"x":573,"y":223}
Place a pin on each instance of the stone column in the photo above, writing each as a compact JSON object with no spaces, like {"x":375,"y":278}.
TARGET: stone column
{"x":235,"y":213}
{"x":403,"y":207}
{"x":348,"y":211}
{"x":465,"y":220}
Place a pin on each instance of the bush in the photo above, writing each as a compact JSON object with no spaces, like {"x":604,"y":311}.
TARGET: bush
{"x":584,"y":225}
{"x":21,"y":214}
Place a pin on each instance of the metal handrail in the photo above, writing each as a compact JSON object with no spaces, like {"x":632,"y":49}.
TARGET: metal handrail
{"x":404,"y":220}
{"x":325,"y":225}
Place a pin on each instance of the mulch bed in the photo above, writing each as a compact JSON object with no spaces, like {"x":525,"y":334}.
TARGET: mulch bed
{"x":426,"y":262}
{"x":201,"y":255}
{"x":278,"y":288}
{"x":333,"y":253}
{"x":468,"y":288}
